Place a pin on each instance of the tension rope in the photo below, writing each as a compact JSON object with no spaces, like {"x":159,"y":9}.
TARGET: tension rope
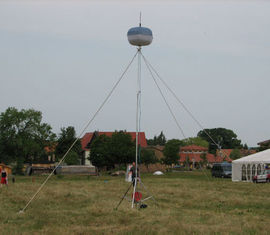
{"x":81,"y":133}
{"x":183,"y":105}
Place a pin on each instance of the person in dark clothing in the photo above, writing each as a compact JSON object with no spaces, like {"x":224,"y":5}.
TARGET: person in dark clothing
{"x":133,"y":171}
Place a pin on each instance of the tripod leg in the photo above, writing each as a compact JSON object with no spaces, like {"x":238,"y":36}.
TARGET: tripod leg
{"x":123,"y":196}
{"x":134,"y":190}
{"x":148,"y":192}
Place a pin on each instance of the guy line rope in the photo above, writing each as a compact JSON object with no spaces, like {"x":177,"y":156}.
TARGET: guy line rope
{"x":78,"y":138}
{"x":149,"y":68}
{"x":182,"y":104}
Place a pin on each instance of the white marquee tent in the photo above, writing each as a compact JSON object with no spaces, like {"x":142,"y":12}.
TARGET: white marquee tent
{"x":245,"y":168}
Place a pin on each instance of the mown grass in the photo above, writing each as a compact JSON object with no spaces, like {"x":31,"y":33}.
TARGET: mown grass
{"x":188,"y":203}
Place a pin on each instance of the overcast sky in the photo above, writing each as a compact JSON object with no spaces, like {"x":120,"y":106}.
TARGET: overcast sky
{"x":63,"y":57}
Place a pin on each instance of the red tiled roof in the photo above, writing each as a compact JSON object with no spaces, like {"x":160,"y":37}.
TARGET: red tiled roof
{"x":197,"y":157}
{"x":88,"y":137}
{"x":224,"y":152}
{"x":193,"y":147}
{"x":211,"y":158}
{"x":109,"y":134}
{"x":141,"y":137}
{"x":227,"y":153}
{"x":191,"y":156}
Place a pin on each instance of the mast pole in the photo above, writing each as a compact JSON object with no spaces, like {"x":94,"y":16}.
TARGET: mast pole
{"x":137,"y":122}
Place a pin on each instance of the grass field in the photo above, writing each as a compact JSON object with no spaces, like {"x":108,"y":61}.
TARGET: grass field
{"x":188,"y":203}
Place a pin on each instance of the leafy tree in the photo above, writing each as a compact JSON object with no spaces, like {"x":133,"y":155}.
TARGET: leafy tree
{"x":171,"y":152}
{"x":17,"y":169}
{"x":225,"y":138}
{"x":235,"y":154}
{"x":148,"y":157}
{"x":108,"y":151}
{"x":122,"y":148}
{"x":100,"y":152}
{"x":23,"y":136}
{"x":161,"y":139}
{"x":158,"y":140}
{"x":72,"y":158}
{"x":151,"y":141}
{"x":65,"y":139}
{"x":245,"y":146}
{"x":196,"y":141}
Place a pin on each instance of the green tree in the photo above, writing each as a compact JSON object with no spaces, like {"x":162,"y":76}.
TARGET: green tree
{"x":72,"y":158}
{"x":171,"y":152}
{"x":101,"y":152}
{"x":65,"y":139}
{"x":122,"y":148}
{"x":119,"y":149}
{"x":23,"y":136}
{"x":17,"y":169}
{"x":196,"y":141}
{"x":161,"y":139}
{"x":148,"y":157}
{"x":158,"y":140}
{"x":225,"y":138}
{"x":235,"y":154}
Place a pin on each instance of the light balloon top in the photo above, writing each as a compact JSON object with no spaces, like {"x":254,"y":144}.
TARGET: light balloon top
{"x":140,"y":36}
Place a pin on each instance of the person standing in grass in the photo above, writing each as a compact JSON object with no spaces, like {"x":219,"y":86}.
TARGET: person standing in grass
{"x":4,"y":177}
{"x":133,"y":172}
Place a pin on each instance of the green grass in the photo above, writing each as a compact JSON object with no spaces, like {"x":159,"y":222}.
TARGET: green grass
{"x":188,"y":203}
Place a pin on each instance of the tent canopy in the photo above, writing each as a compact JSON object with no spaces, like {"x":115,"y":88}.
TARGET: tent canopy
{"x":245,"y":168}
{"x":260,"y":157}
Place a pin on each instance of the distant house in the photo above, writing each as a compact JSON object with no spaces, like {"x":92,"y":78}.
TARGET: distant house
{"x":158,"y":149}
{"x":90,"y":136}
{"x":50,"y":151}
{"x":7,"y":168}
{"x":194,"y":155}
{"x":85,"y":142}
{"x":225,"y":153}
{"x":264,"y":144}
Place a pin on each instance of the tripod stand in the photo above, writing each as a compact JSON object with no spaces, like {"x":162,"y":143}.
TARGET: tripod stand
{"x":136,"y":196}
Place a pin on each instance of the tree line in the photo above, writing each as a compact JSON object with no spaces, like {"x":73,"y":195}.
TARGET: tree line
{"x":24,"y":138}
{"x":118,"y":150}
